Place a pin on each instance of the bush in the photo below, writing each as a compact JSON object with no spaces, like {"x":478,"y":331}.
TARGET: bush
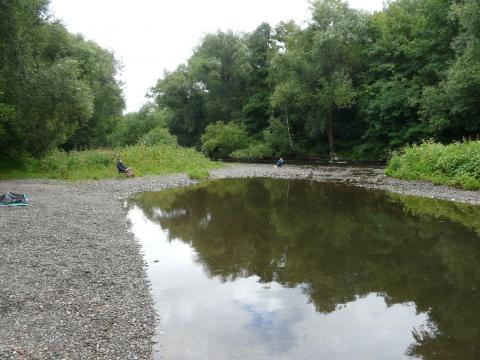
{"x":276,"y":136}
{"x":198,"y":174}
{"x":255,"y":151}
{"x":456,"y":164}
{"x":158,"y":135}
{"x":221,"y":139}
{"x":132,"y":127}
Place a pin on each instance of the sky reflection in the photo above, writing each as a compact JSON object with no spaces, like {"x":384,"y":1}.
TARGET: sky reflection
{"x":204,"y":317}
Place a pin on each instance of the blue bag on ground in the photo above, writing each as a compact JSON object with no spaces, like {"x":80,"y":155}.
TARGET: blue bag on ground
{"x":13,"y":199}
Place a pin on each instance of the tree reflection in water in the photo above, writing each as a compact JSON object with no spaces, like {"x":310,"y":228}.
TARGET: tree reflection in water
{"x":339,"y":243}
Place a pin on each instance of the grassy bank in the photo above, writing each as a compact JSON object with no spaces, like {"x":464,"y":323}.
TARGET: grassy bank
{"x":101,"y":164}
{"x":455,"y":164}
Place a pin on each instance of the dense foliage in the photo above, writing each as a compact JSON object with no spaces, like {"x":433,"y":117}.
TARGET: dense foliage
{"x":357,"y":83}
{"x":146,"y":126}
{"x":346,"y":82}
{"x":456,"y":164}
{"x":56,"y":89}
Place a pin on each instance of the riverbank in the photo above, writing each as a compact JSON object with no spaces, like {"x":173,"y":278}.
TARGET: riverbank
{"x":454,"y":164}
{"x":73,"y":279}
{"x":96,"y":164}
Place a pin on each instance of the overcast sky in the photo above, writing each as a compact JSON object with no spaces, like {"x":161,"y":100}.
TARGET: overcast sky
{"x":148,"y":36}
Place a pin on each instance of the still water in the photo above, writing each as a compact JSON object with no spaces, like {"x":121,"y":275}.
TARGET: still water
{"x":289,"y":269}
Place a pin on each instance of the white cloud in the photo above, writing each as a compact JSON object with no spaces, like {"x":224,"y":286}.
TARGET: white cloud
{"x":149,"y":36}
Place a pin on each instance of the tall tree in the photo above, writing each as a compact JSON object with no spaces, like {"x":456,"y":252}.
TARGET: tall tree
{"x":99,"y":69}
{"x":185,"y":98}
{"x":39,"y":92}
{"x":134,"y":126}
{"x":451,"y":106}
{"x":220,"y":65}
{"x":261,"y":49}
{"x":410,"y":50}
{"x":316,"y":70}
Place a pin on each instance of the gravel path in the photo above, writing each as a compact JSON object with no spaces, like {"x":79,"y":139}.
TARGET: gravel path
{"x":72,"y":277}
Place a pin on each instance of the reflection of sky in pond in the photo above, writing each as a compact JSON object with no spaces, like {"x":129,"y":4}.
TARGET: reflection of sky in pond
{"x":203,"y":318}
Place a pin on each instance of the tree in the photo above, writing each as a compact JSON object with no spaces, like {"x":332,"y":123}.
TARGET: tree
{"x":451,"y":106}
{"x":134,"y":127}
{"x":410,"y":51}
{"x":221,"y":139}
{"x":98,"y":67}
{"x":316,"y":70}
{"x":53,"y":82}
{"x":364,"y":84}
{"x":44,"y":93}
{"x":261,"y":49}
{"x":54,"y":103}
{"x":185,"y":99}
{"x":220,"y":67}
{"x":158,"y":135}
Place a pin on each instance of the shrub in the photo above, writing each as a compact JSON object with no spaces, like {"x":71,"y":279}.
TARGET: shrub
{"x":158,"y":135}
{"x":255,"y":151}
{"x":456,"y":164}
{"x":276,"y":136}
{"x":221,"y":139}
{"x":198,"y":174}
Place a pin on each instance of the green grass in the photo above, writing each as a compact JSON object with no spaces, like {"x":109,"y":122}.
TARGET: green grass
{"x":456,"y":164}
{"x":101,"y":163}
{"x":198,"y":174}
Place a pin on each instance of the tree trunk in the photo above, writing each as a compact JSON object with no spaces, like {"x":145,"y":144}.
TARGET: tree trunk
{"x":288,"y":129}
{"x":329,"y":128}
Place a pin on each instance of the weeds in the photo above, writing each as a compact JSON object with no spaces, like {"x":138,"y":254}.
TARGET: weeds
{"x":456,"y":164}
{"x":199,"y":174}
{"x":101,"y":163}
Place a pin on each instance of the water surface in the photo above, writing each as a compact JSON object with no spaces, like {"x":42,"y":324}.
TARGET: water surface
{"x":283,"y":269}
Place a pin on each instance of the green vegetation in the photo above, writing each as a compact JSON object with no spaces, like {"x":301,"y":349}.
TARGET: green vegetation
{"x":198,"y":174}
{"x":455,"y":164}
{"x":349,"y":83}
{"x":101,"y":163}
{"x":58,"y":93}
{"x":222,"y":139}
{"x":56,"y":88}
{"x":148,"y":126}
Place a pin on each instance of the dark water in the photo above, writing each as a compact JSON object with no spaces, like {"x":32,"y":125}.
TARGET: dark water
{"x":283,"y":269}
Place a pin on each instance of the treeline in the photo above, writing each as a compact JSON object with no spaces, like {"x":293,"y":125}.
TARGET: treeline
{"x":56,"y":88}
{"x":348,"y":82}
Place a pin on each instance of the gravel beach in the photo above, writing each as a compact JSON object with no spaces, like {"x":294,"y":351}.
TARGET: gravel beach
{"x":73,"y":280}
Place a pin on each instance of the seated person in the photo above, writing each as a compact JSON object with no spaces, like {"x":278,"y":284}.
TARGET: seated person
{"x":279,"y":163}
{"x":124,"y":169}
